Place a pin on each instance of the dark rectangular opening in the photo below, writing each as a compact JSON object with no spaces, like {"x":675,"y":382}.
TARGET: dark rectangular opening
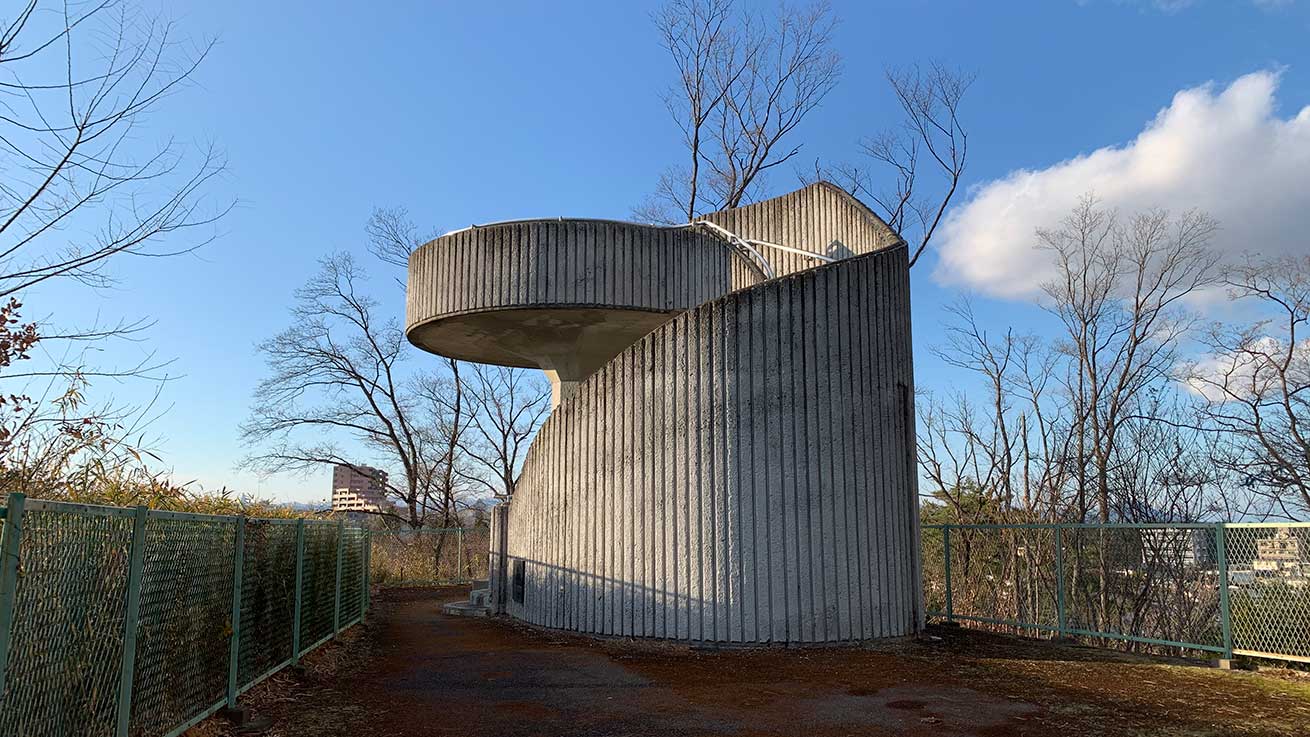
{"x":519,"y":567}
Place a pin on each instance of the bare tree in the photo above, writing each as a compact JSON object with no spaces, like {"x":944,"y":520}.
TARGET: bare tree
{"x":1257,"y":384}
{"x":700,"y":37}
{"x":1007,"y":451}
{"x":1090,"y":423}
{"x":1056,"y":428}
{"x":336,"y":391}
{"x":930,"y":134}
{"x":509,"y":406}
{"x":81,"y":81}
{"x":83,"y":189}
{"x":744,"y":85}
{"x":501,"y":407}
{"x":1119,"y":295}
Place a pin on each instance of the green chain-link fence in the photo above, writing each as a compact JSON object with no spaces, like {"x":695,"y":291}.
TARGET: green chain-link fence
{"x":1224,"y":588}
{"x":427,"y":557}
{"x":132,"y":622}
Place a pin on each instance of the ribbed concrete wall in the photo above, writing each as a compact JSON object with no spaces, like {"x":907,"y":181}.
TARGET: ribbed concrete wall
{"x":744,"y":473}
{"x":821,"y":218}
{"x":560,"y":263}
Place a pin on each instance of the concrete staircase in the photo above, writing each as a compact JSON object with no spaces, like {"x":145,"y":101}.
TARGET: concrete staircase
{"x":478,"y":605}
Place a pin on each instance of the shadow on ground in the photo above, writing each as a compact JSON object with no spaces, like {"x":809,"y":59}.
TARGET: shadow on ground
{"x":414,"y":671}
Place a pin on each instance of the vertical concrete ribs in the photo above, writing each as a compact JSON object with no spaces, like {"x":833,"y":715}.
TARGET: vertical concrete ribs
{"x":741,"y":469}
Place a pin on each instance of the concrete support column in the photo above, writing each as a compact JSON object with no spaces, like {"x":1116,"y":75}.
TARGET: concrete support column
{"x":497,"y":570}
{"x":560,"y":389}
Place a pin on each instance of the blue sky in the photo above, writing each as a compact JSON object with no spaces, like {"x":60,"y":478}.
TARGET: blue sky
{"x":468,"y":112}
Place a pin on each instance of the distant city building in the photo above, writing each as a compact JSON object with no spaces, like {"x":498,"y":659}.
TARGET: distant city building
{"x":1283,"y":555}
{"x":1178,"y":547}
{"x":359,"y":489}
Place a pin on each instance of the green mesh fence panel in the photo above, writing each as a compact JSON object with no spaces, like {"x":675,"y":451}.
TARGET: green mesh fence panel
{"x":1153,"y":583}
{"x":934,"y":569}
{"x":1269,"y":589}
{"x":268,"y":598}
{"x":1140,"y":586}
{"x":352,"y":572}
{"x":65,"y":660}
{"x":66,"y":646}
{"x":185,"y":622}
{"x":1006,"y":574}
{"x":318,"y":600}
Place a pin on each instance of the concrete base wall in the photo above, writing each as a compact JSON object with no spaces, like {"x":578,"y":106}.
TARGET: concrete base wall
{"x":744,"y":473}
{"x":497,"y":562}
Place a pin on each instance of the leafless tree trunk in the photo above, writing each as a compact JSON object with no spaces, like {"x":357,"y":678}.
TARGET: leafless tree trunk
{"x":1119,"y":295}
{"x":1052,"y":429}
{"x":703,"y":43}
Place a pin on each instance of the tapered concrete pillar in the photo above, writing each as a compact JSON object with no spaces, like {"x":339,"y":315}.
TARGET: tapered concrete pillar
{"x":560,"y":389}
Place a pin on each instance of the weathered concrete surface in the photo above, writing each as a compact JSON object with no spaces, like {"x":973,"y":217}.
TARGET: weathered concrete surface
{"x":742,"y":474}
{"x":561,"y":295}
{"x":821,"y":218}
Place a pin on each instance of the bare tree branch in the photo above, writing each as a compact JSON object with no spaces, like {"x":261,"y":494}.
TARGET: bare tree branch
{"x":335,"y":376}
{"x":1256,"y":382}
{"x":931,"y":132}
{"x":744,"y":84}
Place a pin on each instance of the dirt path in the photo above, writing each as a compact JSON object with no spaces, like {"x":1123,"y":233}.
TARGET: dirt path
{"x":414,"y":671}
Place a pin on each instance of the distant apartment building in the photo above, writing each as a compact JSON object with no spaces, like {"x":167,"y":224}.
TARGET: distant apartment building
{"x":1285,"y":556}
{"x":1178,"y":548}
{"x":358,"y":489}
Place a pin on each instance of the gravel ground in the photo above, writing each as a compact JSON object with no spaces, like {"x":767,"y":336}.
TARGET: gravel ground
{"x":411,"y":670}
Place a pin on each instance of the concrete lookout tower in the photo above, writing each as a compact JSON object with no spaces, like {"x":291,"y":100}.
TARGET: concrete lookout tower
{"x":731,"y":454}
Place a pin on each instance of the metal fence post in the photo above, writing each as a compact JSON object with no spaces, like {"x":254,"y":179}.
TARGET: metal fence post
{"x":364,"y":575}
{"x":131,"y":618}
{"x":234,"y":647}
{"x":1225,"y":614}
{"x":1060,"y":622}
{"x":946,"y":546}
{"x":300,"y":584}
{"x":10,"y":541}
{"x":336,"y":604}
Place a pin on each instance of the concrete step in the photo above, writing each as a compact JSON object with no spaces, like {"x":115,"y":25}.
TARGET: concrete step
{"x":481,"y":597}
{"x":465,"y":609}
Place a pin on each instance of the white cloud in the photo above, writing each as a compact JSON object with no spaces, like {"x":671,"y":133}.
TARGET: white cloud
{"x":1249,"y":371}
{"x":1225,"y":151}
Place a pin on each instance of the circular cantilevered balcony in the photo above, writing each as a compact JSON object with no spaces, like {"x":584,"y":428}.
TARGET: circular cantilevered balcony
{"x":564,"y":295}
